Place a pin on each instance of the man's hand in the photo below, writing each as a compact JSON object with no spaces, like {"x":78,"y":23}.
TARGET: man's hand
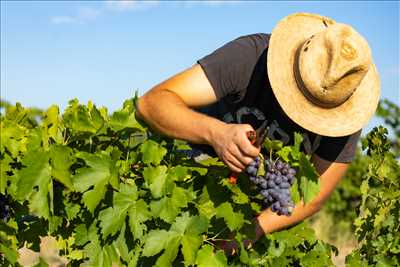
{"x":330,"y":175}
{"x":233,"y":147}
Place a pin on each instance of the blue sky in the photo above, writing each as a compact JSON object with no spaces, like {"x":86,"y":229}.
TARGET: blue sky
{"x":53,"y":51}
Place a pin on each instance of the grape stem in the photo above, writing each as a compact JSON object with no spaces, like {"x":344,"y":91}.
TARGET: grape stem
{"x":216,"y":235}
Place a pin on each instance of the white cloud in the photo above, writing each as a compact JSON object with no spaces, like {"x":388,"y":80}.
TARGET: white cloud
{"x":126,"y":5}
{"x":62,"y":20}
{"x":219,"y":2}
{"x":211,"y":3}
{"x":86,"y":13}
{"x":83,"y":15}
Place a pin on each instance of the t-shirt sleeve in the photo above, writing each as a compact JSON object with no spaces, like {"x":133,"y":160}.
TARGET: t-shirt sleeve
{"x":230,"y":67}
{"x":338,"y":149}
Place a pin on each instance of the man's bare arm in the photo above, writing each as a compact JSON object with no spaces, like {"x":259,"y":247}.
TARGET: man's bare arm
{"x":330,"y":175}
{"x":167,"y":109}
{"x":168,"y":103}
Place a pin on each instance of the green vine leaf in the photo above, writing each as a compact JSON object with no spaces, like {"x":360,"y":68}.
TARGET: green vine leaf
{"x":168,"y":208}
{"x":207,"y":258}
{"x":99,"y":172}
{"x":234,"y":220}
{"x":157,"y":180}
{"x":61,"y":160}
{"x":152,"y":152}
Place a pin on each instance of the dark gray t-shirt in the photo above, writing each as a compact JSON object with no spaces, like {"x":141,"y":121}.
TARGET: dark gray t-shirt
{"x":238,"y":74}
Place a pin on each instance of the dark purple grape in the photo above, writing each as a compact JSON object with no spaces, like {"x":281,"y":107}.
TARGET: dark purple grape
{"x":271,"y":183}
{"x":253,"y":164}
{"x":286,"y":195}
{"x":275,"y":207}
{"x":286,"y":191}
{"x":264,"y":184}
{"x":273,"y":193}
{"x":260,"y":179}
{"x":264,"y":193}
{"x":284,"y":202}
{"x":283,"y":211}
{"x":284,"y":185}
{"x":252,"y":170}
{"x":278,"y":165}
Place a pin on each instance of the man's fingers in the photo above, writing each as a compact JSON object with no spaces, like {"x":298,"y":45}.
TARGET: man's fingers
{"x":234,"y":147}
{"x":238,"y":166}
{"x":233,"y":167}
{"x":237,"y":163}
{"x":245,"y":145}
{"x":240,"y":156}
{"x":249,"y":150}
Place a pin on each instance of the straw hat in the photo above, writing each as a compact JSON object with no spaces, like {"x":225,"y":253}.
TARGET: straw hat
{"x":322,"y":74}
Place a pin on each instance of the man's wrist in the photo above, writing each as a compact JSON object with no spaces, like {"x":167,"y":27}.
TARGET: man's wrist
{"x":214,"y":130}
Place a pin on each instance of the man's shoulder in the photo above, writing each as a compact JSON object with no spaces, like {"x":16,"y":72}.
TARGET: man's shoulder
{"x":253,"y":42}
{"x":257,"y":38}
{"x":259,"y":35}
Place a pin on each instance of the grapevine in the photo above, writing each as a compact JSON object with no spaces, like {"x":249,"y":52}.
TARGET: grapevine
{"x":104,"y":190}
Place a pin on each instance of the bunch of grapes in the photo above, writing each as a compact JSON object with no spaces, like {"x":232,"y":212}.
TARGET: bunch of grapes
{"x":275,"y":185}
{"x":4,"y":208}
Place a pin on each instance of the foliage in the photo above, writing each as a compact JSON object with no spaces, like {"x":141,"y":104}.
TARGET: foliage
{"x":103,"y":190}
{"x":378,"y":224}
{"x":390,"y":113}
{"x":367,"y":200}
{"x":345,"y":201}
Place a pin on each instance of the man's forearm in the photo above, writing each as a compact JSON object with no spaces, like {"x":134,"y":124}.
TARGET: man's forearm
{"x":165,"y":112}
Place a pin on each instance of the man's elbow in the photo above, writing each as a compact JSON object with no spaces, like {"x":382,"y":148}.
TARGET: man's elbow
{"x":141,"y":107}
{"x":145,"y":106}
{"x":150,"y":101}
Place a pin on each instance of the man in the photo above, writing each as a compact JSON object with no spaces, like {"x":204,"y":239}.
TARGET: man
{"x":311,"y":75}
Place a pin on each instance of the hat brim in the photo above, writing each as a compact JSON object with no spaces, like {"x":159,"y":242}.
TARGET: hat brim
{"x":345,"y":119}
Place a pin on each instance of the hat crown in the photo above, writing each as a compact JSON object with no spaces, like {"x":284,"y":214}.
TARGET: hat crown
{"x":336,"y":58}
{"x":332,"y":64}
